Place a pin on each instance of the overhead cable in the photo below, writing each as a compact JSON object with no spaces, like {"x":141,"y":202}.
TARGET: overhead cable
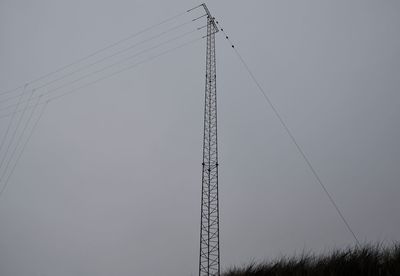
{"x":294,"y":140}
{"x":11,"y":122}
{"x":102,"y":59}
{"x":18,"y":141}
{"x":7,"y":180}
{"x":108,"y":66}
{"x":15,"y":131}
{"x":111,"y":75}
{"x":96,"y":52}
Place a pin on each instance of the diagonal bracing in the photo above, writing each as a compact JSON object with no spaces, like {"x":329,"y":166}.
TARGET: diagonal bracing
{"x":209,"y":259}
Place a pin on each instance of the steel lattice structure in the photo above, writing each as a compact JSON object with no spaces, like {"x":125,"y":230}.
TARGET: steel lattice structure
{"x":209,"y":263}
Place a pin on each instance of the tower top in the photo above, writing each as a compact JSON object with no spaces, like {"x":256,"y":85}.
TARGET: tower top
{"x":208,"y":15}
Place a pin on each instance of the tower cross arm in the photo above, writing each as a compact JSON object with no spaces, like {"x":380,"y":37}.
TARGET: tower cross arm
{"x":208,"y":15}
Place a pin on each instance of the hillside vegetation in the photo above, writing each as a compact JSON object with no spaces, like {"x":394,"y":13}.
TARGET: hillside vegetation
{"x":365,"y":261}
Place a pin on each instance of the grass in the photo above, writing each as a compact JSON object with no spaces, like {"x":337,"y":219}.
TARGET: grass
{"x":366,"y":261}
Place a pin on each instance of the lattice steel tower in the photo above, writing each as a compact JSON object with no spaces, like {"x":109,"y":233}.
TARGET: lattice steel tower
{"x":209,"y":263}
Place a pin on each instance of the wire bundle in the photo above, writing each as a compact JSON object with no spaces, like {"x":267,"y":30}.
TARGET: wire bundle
{"x":22,"y":103}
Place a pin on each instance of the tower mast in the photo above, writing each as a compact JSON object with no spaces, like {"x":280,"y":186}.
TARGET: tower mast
{"x":209,"y":261}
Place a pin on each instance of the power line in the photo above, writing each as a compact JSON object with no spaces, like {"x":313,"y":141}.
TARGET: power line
{"x":97,"y":52}
{"x":112,"y":74}
{"x":11,"y":122}
{"x":23,"y":147}
{"x":103,"y":59}
{"x":19,"y":140}
{"x":129,"y":67}
{"x":71,"y":73}
{"x":63,"y":94}
{"x":15,"y":131}
{"x":110,"y":65}
{"x":294,"y":140}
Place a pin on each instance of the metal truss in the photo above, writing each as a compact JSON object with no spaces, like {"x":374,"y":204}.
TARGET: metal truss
{"x":209,"y":263}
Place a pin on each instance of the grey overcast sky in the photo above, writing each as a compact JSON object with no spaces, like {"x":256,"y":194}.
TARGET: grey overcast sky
{"x":109,"y":183}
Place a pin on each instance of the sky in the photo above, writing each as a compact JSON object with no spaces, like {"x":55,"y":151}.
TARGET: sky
{"x":110,"y":181}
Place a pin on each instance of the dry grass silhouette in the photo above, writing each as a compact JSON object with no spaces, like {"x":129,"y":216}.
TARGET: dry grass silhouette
{"x":365,"y":261}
